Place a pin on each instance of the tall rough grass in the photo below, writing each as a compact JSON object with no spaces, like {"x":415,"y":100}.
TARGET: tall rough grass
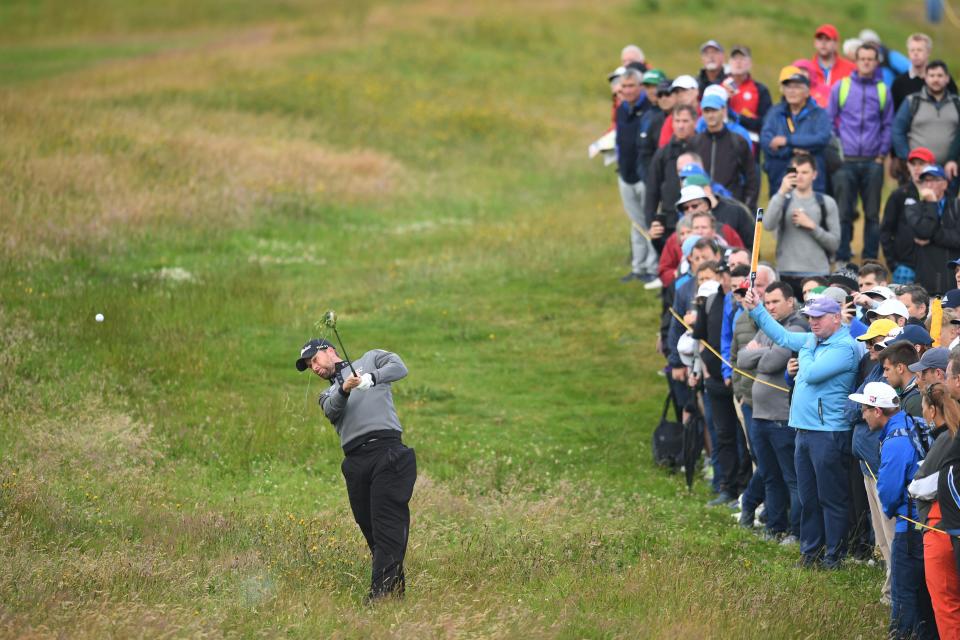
{"x":212,"y":180}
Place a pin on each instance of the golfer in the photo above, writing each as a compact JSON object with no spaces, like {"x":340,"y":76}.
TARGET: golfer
{"x":379,"y":470}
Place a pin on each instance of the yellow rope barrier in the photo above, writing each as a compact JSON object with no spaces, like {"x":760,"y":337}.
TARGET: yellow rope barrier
{"x":706,"y":345}
{"x":919,"y":524}
{"x":643,"y":232}
{"x":724,"y":360}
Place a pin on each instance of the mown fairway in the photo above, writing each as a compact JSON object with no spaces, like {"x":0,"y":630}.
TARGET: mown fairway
{"x":212,"y":179}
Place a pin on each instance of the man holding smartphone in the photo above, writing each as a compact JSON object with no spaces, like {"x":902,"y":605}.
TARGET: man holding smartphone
{"x":807,"y":224}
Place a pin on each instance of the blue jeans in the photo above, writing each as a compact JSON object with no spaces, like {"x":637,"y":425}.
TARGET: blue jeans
{"x":863,"y":179}
{"x":911,"y":614}
{"x":773,"y":444}
{"x":821,"y":459}
{"x":753,"y":495}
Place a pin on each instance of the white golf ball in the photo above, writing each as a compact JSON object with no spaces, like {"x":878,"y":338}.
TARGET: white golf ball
{"x":99,"y":317}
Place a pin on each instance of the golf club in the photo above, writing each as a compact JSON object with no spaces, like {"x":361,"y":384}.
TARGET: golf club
{"x":757,"y":237}
{"x":330,"y":321}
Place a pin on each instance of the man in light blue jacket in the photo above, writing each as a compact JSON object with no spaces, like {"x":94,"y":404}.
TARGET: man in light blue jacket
{"x":828,"y":359}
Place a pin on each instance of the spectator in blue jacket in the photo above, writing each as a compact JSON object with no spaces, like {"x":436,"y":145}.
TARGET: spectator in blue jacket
{"x":892,"y":62}
{"x":861,"y":112}
{"x":828,"y":359}
{"x":866,"y":511}
{"x":795,"y":123}
{"x":911,"y":614}
{"x":630,"y":176}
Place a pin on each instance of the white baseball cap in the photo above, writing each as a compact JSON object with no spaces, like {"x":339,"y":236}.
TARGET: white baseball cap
{"x":693,"y":192}
{"x":892,"y":307}
{"x":877,"y":394}
{"x":881,"y":291}
{"x":687,"y":349}
{"x":708,"y":288}
{"x":685,"y":82}
{"x":616,"y":73}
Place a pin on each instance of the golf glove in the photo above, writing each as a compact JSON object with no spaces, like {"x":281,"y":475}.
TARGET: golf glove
{"x":366,"y":381}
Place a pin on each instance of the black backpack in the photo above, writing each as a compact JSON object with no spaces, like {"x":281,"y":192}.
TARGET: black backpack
{"x":668,"y":438}
{"x":916,"y":98}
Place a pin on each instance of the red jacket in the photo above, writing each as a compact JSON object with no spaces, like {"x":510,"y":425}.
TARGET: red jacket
{"x":746,"y":101}
{"x":672,"y":254}
{"x":841,"y":69}
{"x":819,"y":91}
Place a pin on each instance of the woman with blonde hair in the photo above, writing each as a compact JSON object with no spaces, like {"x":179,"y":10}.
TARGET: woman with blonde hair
{"x":942,"y":414}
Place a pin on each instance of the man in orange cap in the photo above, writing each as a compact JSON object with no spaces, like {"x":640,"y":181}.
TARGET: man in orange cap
{"x":830,"y":67}
{"x":896,"y":237}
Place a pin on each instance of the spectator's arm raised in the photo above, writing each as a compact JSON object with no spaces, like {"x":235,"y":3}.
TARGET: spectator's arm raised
{"x":773,"y":329}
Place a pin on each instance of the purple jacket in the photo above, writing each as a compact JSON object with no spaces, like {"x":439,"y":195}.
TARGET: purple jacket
{"x":863,"y":130}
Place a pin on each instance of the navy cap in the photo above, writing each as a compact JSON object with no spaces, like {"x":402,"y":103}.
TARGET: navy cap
{"x":934,"y":170}
{"x":953,"y":264}
{"x":931,"y":359}
{"x":951,"y":299}
{"x":914,"y":334}
{"x":309,"y":350}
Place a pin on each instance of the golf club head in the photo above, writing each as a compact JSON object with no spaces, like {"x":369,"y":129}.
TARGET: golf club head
{"x":330,"y":319}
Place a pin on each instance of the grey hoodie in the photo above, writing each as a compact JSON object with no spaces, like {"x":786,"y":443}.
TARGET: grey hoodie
{"x":801,"y":250}
{"x":362,"y":412}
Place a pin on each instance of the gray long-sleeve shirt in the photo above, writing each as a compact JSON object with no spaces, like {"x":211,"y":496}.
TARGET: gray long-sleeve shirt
{"x":802,"y":250}
{"x":769,"y":362}
{"x":362,"y":412}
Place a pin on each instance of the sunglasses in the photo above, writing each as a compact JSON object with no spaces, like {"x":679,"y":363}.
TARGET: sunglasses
{"x":689,"y":206}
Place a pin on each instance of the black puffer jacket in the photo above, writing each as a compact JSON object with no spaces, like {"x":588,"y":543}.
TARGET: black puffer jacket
{"x":943,"y":232}
{"x":727,"y":158}
{"x":663,"y":183}
{"x":896,"y":237}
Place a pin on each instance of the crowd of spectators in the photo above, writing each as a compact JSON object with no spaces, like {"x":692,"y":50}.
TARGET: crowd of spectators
{"x":828,"y":383}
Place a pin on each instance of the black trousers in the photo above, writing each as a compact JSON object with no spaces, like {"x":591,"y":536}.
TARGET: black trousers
{"x":861,"y":540}
{"x":735,"y":470}
{"x":380,"y":476}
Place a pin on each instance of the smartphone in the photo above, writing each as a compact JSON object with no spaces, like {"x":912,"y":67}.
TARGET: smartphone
{"x":791,"y":171}
{"x":849,"y":299}
{"x":661,"y":218}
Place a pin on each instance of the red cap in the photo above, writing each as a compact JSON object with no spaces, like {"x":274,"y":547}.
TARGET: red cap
{"x":827,"y":30}
{"x":922,"y":153}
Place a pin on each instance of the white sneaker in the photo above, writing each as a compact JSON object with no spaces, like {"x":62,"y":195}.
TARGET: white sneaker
{"x":653,"y":285}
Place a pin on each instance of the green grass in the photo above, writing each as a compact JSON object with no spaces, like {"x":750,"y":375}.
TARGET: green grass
{"x":420,"y":168}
